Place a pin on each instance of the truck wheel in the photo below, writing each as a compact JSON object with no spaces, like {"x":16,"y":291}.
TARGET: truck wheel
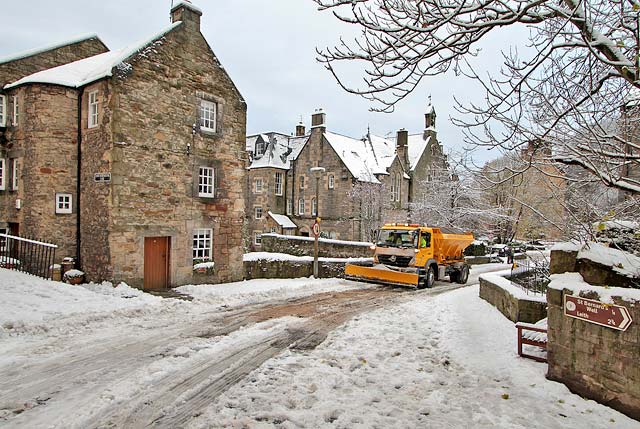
{"x":463,"y":275}
{"x":429,"y":279}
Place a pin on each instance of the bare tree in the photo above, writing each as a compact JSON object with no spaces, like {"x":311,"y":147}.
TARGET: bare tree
{"x":564,"y":90}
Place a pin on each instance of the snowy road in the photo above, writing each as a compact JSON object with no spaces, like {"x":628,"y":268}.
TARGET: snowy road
{"x":288,"y":353}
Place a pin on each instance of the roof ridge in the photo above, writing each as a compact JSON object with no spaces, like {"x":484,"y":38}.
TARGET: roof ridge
{"x":50,"y":47}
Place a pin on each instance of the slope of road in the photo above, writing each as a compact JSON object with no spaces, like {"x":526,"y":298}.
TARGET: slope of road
{"x":238,"y":352}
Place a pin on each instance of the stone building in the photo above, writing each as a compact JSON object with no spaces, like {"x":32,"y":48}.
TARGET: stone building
{"x":132,"y":161}
{"x":354,"y":185}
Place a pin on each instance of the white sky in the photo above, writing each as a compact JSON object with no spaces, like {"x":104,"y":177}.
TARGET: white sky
{"x":268,"y":47}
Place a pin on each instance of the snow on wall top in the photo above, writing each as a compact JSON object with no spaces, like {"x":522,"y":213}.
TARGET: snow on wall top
{"x":621,"y":262}
{"x":88,"y":70}
{"x":283,"y":220}
{"x":280,"y":151}
{"x":575,"y":283}
{"x":32,"y":52}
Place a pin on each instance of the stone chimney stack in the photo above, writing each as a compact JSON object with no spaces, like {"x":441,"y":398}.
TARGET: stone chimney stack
{"x":318,"y":121}
{"x":402,"y":147}
{"x":430,"y":118}
{"x":185,"y":11}
{"x":300,"y":129}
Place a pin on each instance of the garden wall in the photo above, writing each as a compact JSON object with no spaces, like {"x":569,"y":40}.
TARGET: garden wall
{"x":274,"y":269}
{"x":511,"y":300}
{"x":303,"y":246}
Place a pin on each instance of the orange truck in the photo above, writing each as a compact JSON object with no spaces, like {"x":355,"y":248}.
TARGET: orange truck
{"x":415,"y":255}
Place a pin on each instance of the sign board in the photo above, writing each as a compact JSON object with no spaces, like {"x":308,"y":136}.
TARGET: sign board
{"x":599,"y":313}
{"x":316,"y":229}
{"x":102,"y":177}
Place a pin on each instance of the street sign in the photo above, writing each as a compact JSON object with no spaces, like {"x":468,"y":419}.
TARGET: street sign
{"x":316,"y":229}
{"x":609,"y":315}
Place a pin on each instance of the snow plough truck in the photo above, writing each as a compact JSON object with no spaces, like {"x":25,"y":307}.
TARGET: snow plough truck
{"x":414,"y":255}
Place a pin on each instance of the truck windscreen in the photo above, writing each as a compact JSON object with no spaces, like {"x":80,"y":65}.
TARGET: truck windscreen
{"x":397,"y":238}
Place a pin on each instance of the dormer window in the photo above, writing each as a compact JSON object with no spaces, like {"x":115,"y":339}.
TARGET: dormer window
{"x":261,"y":148}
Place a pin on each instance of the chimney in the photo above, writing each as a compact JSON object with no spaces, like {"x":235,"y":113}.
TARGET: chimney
{"x":318,"y":120}
{"x":402,"y":147}
{"x":300,"y":129}
{"x":185,"y":11}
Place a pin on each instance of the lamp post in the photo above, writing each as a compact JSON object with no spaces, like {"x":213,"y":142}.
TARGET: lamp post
{"x":317,"y":172}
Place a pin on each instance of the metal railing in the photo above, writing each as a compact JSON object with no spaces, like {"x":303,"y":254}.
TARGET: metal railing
{"x":28,"y":256}
{"x":531,"y":275}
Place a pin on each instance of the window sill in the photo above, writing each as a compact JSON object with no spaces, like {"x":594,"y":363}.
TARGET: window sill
{"x":205,"y":132}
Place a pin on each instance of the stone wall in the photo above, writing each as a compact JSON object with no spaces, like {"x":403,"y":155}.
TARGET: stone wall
{"x":299,"y":246}
{"x":594,"y":361}
{"x":268,"y":269}
{"x":514,"y":309}
{"x":563,"y":261}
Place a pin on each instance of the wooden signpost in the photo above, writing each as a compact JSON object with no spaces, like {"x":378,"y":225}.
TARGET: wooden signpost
{"x":599,"y":313}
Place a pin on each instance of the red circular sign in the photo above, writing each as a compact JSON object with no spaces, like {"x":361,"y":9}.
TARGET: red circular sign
{"x":316,"y":229}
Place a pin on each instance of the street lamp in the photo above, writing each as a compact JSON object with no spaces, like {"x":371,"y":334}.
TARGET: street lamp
{"x":317,"y":172}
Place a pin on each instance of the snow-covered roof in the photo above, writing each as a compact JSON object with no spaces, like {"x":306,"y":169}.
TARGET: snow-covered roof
{"x":32,"y":52}
{"x":281,"y":150}
{"x":88,"y":70}
{"x":283,"y":220}
{"x":417,"y":145}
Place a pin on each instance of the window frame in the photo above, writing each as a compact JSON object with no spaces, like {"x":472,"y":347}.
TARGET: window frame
{"x":314,"y":207}
{"x":92,"y":116}
{"x":205,"y":186}
{"x":289,"y":206}
{"x":200,"y":238}
{"x":14,"y":174}
{"x":258,"y":189}
{"x":257,"y":238}
{"x":3,"y":174}
{"x":16,"y":110}
{"x":261,"y":148}
{"x":301,"y":206}
{"x":257,"y":213}
{"x":331,"y":181}
{"x":278,"y":188}
{"x":3,"y":110}
{"x":67,"y":206}
{"x":211,"y":108}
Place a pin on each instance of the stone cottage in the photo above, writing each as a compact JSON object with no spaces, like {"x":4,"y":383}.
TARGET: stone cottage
{"x":353,"y":185}
{"x":132,"y":161}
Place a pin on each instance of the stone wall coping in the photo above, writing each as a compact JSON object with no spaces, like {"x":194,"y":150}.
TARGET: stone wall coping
{"x":322,"y":240}
{"x":576,"y":284}
{"x":270,"y":256}
{"x":498,"y":279}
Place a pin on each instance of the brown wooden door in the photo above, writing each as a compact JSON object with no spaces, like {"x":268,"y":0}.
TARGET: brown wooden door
{"x":156,"y":263}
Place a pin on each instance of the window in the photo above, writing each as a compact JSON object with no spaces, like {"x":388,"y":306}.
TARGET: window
{"x":301,"y":206}
{"x":273,"y":230}
{"x":14,"y":181}
{"x":278,"y":184}
{"x":3,"y":111}
{"x":261,"y":148}
{"x":314,"y":207}
{"x":93,"y":109}
{"x":331,"y":181}
{"x":393,"y":188}
{"x":289,"y":206}
{"x":398,"y":187}
{"x":208,"y":115}
{"x":206,"y":182}
{"x":301,"y":182}
{"x":15,"y":111}
{"x":202,"y":243}
{"x":63,"y":203}
{"x":257,"y":239}
{"x":258,"y":186}
{"x":258,"y":212}
{"x":3,"y":175}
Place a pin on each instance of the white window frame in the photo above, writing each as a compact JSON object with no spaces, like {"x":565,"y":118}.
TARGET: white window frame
{"x":393,"y":187}
{"x":331,"y":181}
{"x":202,"y":242}
{"x":206,"y":182}
{"x":398,"y":187}
{"x":314,"y":207}
{"x":301,"y":206}
{"x":278,"y":183}
{"x":14,"y":172}
{"x":257,"y":212}
{"x":3,"y":110}
{"x":92,"y":117}
{"x":64,"y":203}
{"x":258,"y":185}
{"x":274,"y":230}
{"x":16,"y":111}
{"x":207,"y":116}
{"x":261,"y":148}
{"x":257,"y":238}
{"x":289,"y":206}
{"x":3,"y":174}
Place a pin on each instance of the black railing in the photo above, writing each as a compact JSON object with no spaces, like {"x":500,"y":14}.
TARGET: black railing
{"x":26,"y":255}
{"x":532,"y":275}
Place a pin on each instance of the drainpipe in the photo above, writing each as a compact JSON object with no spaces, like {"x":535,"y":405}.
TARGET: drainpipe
{"x":78,"y":172}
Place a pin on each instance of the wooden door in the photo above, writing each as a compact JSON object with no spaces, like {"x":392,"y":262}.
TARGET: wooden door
{"x":14,"y":229}
{"x":156,"y":263}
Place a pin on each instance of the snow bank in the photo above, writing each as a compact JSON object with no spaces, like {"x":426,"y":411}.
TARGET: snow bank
{"x":575,"y":283}
{"x":273,"y":256}
{"x":567,"y":247}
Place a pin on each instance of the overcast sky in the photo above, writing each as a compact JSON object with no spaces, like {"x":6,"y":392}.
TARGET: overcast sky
{"x":267,"y":46}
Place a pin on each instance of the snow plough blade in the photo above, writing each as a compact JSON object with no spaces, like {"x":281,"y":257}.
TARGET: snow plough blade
{"x":380,"y":275}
